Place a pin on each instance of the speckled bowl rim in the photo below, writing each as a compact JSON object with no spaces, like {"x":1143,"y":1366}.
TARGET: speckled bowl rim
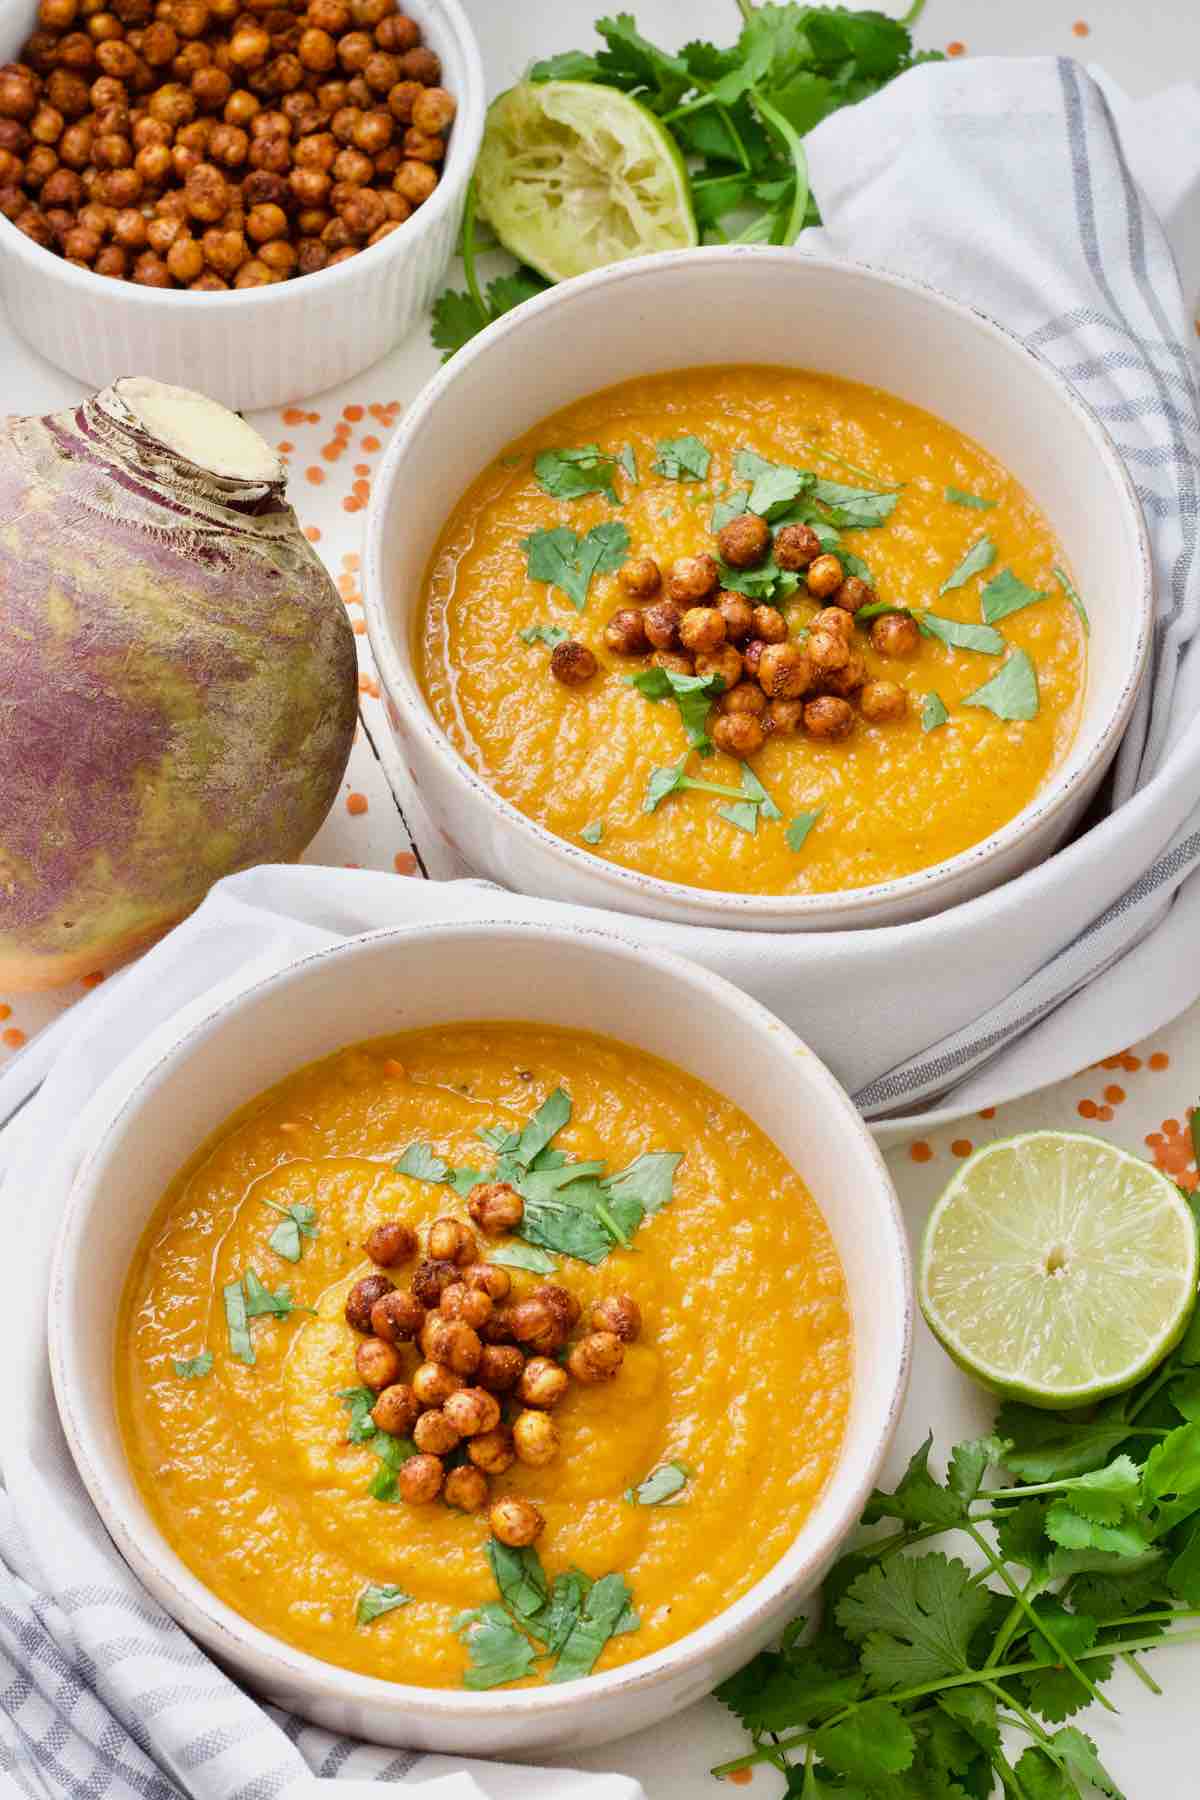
{"x":276,"y":1664}
{"x":649,"y":894}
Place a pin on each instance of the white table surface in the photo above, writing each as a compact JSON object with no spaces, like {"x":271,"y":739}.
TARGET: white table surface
{"x":380,"y":822}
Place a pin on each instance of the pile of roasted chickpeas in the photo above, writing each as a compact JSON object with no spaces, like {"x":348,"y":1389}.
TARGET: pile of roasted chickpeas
{"x":479,"y":1354}
{"x":213,"y":144}
{"x":688,"y":623}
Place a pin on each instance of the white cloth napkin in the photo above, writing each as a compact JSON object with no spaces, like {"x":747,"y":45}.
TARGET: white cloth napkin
{"x":1005,"y":183}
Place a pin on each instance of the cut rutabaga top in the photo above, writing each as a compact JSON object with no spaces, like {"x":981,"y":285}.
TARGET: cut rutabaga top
{"x":199,"y":429}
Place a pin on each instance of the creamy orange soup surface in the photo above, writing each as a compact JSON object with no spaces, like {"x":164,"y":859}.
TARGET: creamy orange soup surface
{"x":732,"y":1394}
{"x":894,"y":796}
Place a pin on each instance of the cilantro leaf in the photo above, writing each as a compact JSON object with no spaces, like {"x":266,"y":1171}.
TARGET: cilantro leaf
{"x":422,"y":1164}
{"x":374,"y":1601}
{"x":564,"y":560}
{"x":682,"y":459}
{"x":456,"y":321}
{"x":796,"y":835}
{"x":632,"y":62}
{"x":855,"y":509}
{"x":1078,"y":1754}
{"x":393,"y":1453}
{"x":1012,"y":692}
{"x":592,"y":834}
{"x":668,"y":1479}
{"x":605,"y":1610}
{"x":914,"y":1617}
{"x":776,"y":1690}
{"x":875,"y":1741}
{"x":193,"y":1367}
{"x":571,"y":65}
{"x":933,"y":712}
{"x":978,"y":557}
{"x":1004,"y":594}
{"x":649,"y":1180}
{"x":1056,"y":1692}
{"x":754,"y":790}
{"x":507,"y":291}
{"x":358,"y":1403}
{"x":569,"y":474}
{"x":731,"y":506}
{"x":543,"y":634}
{"x":240,"y":1344}
{"x":499,"y":1651}
{"x":693,"y":694}
{"x":519,"y":1577}
{"x":260,"y":1299}
{"x":1021,"y":1535}
{"x":663,"y":782}
{"x":969,"y":1462}
{"x":297,"y":1223}
{"x":961,"y":635}
{"x":1171,"y":1480}
{"x":918,"y":1499}
{"x":1041,"y":1778}
{"x":1068,"y":587}
{"x":549,"y":1119}
{"x":775,"y":485}
{"x":767,"y":582}
{"x":1046,"y":1446}
{"x":959,"y":497}
{"x":523,"y":1256}
{"x":743,"y":814}
{"x":628,"y":461}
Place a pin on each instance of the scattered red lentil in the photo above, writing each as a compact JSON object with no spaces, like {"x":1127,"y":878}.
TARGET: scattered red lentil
{"x":956,"y":49}
{"x":356,"y":803}
{"x":1130,"y":1063}
{"x":353,"y":413}
{"x":1081,"y":28}
{"x":331,"y":452}
{"x":285,"y":447}
{"x":351,"y":560}
{"x":1159,"y":1060}
{"x":93,"y":979}
{"x":362,"y":490}
{"x":1114,"y":1094}
{"x":1087,"y":1109}
{"x":360,"y":627}
{"x":370,"y":443}
{"x":352,"y":504}
{"x":1104,"y":1113}
{"x":5,"y":1010}
{"x":392,"y":1067}
{"x":921,"y":1152}
{"x":315,"y":475}
{"x":14,"y":1037}
{"x":1172,"y":1127}
{"x":989,"y":1112}
{"x":313,"y":533}
{"x":742,"y":1777}
{"x":404,"y":862}
{"x":291,"y":415}
{"x":961,"y":1147}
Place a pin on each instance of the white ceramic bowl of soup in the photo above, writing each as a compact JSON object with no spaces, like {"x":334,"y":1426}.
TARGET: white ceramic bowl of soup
{"x":727,"y":305}
{"x":405,"y":979}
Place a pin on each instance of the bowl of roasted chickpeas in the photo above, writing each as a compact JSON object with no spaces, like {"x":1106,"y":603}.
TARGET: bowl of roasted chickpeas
{"x":412,"y":1300}
{"x":741,"y":587}
{"x":255,"y":198}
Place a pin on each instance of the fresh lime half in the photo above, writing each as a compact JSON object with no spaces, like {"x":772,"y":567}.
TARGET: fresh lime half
{"x":1056,"y":1268}
{"x":573,"y":176}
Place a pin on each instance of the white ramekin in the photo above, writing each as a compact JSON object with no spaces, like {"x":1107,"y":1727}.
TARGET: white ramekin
{"x":747,"y":303}
{"x":257,"y":346}
{"x":396,"y":980}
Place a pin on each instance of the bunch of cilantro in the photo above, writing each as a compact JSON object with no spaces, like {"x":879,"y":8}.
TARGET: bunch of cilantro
{"x":934,"y":1678}
{"x":738,"y":116}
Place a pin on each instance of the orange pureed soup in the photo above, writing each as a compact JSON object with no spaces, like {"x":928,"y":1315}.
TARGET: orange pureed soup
{"x":929,"y":729}
{"x":686,"y":1448}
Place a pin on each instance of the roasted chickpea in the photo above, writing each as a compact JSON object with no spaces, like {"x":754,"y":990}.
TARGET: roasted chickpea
{"x":433,"y":111}
{"x":75,"y":146}
{"x":738,"y":734}
{"x":390,"y":1242}
{"x":209,"y":283}
{"x":471,"y":1305}
{"x":452,"y":1241}
{"x":466,"y":1489}
{"x":162,"y":232}
{"x":249,"y":47}
{"x":500,"y":1367}
{"x":316,"y":49}
{"x":496,"y":1206}
{"x":738,"y":615}
{"x":882,"y":700}
{"x":121,"y":187}
{"x":746,"y":697}
{"x":769,"y":624}
{"x":434,"y":1434}
{"x":378,"y":1364}
{"x":784,"y":717}
{"x":676,"y":660}
{"x":847,"y":680}
{"x":472,"y":1411}
{"x":373,"y":134}
{"x":796,"y":546}
{"x":625,"y":633}
{"x":191,"y":17}
{"x":401,"y":100}
{"x":726,"y":663}
{"x":433,"y":1383}
{"x":309,"y":186}
{"x":68,"y":92}
{"x":492,"y":1280}
{"x":692,"y":578}
{"x":229,"y":145}
{"x":397,"y":1317}
{"x":515,"y":1522}
{"x":419,"y":1480}
{"x":117,"y":58}
{"x":431,"y":1278}
{"x":241,"y":107}
{"x":452,"y":1342}
{"x":18,"y":94}
{"x":398,"y":32}
{"x":620,"y":1314}
{"x":421,"y":65}
{"x":661,"y":624}
{"x":64,"y":188}
{"x":542,"y":1382}
{"x":355,"y":51}
{"x":311,"y":256}
{"x":364,"y":1294}
{"x":562,"y":1304}
{"x":58,"y":15}
{"x":825,"y":576}
{"x":492,"y":1451}
{"x":640,"y":577}
{"x":784,"y":672}
{"x":572,"y":663}
{"x":271,"y":150}
{"x":535,"y":1439}
{"x":332,"y":16}
{"x":224,"y":251}
{"x":828,"y":717}
{"x":744,"y":542}
{"x":701,"y":629}
{"x":47,"y":125}
{"x":596,"y":1358}
{"x":185,"y":259}
{"x":535,"y":1322}
{"x":827,"y":651}
{"x":836,"y":620}
{"x":12,"y":169}
{"x":852,"y":594}
{"x":415,"y":181}
{"x":895,"y":634}
{"x":362,"y":211}
{"x":112,"y":261}
{"x":79,"y":244}
{"x":352,"y":166}
{"x":208,"y":194}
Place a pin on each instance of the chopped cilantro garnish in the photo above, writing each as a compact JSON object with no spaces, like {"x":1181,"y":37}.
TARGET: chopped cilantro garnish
{"x":960,"y":634}
{"x":682,"y":459}
{"x":393,"y":1453}
{"x":673,"y":780}
{"x":374,"y":1601}
{"x":1012,"y":693}
{"x":592,"y":834}
{"x":959,"y":497}
{"x":796,"y":835}
{"x":628,"y":461}
{"x":420,"y":1162}
{"x":979,"y":557}
{"x":566,"y":1623}
{"x":1065,"y":583}
{"x":550,"y":635}
{"x":236,"y":1323}
{"x":667,"y":1480}
{"x":855,"y":509}
{"x":569,"y":474}
{"x":732,"y":506}
{"x":358,"y":1403}
{"x":933,"y":712}
{"x":298,"y":1222}
{"x":693,"y":694}
{"x":1004,"y":594}
{"x":193,"y":1367}
{"x":775,"y":485}
{"x":743,"y":814}
{"x":567,"y":561}
{"x":522,"y":1256}
{"x":768,"y":582}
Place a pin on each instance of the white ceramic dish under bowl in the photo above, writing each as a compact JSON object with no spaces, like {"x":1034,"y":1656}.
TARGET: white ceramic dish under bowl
{"x":397,"y":980}
{"x":254,"y":347}
{"x":738,"y":304}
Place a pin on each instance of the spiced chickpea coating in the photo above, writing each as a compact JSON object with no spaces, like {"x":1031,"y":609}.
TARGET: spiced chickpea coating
{"x":492,"y":1451}
{"x":744,"y":542}
{"x":535,"y":1322}
{"x":827,"y":651}
{"x":769,"y":624}
{"x":466,"y":1489}
{"x":419,"y":1480}
{"x":825,"y":576}
{"x":431,"y":1277}
{"x":620,"y":1314}
{"x":828,"y":717}
{"x":692,"y":578}
{"x":562,"y":1303}
{"x":701,"y":629}
{"x":895,"y":634}
{"x":490,"y":1278}
{"x":746,"y":697}
{"x":738,"y":734}
{"x":661,"y":624}
{"x":640,"y":577}
{"x":796,"y":546}
{"x":496,"y":1206}
{"x":515,"y":1522}
{"x":433,"y":1383}
{"x":542,"y":1383}
{"x":535,"y":1439}
{"x":452,"y":1343}
{"x":572,"y":663}
{"x":849,"y":678}
{"x":784,"y":717}
{"x":452,"y":1241}
{"x":725,"y":663}
{"x":501,"y":1367}
{"x":678,"y":661}
{"x":882,"y":700}
{"x":784,"y":672}
{"x":596,"y":1358}
{"x":361,"y":1299}
{"x":396,"y":1409}
{"x":471,"y":1305}
{"x":378,"y":1364}
{"x":625,"y":633}
{"x":738,"y":615}
{"x":472,"y":1411}
{"x":434,"y":1434}
{"x":397,"y":1317}
{"x":852,"y":594}
{"x":837,"y":620}
{"x":390,"y":1243}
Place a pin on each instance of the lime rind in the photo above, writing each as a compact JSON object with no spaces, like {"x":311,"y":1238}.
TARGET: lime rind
{"x":572,"y":177}
{"x":1057,"y":1268}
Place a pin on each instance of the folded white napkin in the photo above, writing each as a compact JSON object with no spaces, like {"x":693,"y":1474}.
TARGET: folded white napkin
{"x":1003,"y":182}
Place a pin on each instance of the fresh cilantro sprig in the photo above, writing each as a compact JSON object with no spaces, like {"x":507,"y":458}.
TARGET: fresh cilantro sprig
{"x":564,"y":1625}
{"x":1084,"y":1550}
{"x":296,"y":1223}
